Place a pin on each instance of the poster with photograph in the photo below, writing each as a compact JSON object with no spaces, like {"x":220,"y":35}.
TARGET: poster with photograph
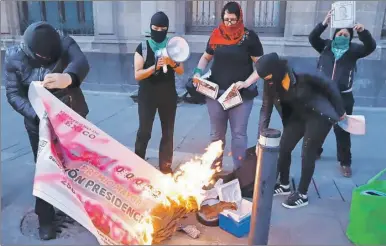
{"x":343,"y":14}
{"x":231,"y":98}
{"x":207,"y":88}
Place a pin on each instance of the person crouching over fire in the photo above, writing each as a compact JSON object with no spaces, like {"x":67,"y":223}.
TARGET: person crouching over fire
{"x":310,"y":105}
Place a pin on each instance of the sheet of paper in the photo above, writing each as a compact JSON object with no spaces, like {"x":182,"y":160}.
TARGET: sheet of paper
{"x":207,"y":88}
{"x":231,"y":98}
{"x":354,"y":124}
{"x":344,"y":14}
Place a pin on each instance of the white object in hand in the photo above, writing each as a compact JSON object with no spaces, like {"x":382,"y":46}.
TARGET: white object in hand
{"x":354,"y":124}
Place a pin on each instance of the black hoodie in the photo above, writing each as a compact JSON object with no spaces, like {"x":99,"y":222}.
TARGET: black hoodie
{"x":341,"y":71}
{"x":309,"y":90}
{"x":22,"y":65}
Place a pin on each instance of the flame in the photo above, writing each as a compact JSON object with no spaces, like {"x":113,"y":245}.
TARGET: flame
{"x":184,"y":188}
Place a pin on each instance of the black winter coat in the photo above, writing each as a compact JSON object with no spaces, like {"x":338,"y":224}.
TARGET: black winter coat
{"x":21,"y":70}
{"x":310,"y":90}
{"x":343,"y":70}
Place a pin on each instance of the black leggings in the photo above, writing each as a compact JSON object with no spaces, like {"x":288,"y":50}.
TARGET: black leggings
{"x":148,"y":104}
{"x":314,"y":128}
{"x":43,"y":209}
{"x":343,"y":138}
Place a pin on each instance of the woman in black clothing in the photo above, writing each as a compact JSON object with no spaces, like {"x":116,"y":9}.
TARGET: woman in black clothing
{"x":310,"y":105}
{"x":338,"y":58}
{"x":157,"y":91}
{"x":233,"y":49}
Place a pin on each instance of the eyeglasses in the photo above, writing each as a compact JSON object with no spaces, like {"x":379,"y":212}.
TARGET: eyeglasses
{"x":230,"y":21}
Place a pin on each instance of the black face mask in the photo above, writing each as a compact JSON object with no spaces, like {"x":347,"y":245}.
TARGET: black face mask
{"x":158,"y":36}
{"x":159,"y":19}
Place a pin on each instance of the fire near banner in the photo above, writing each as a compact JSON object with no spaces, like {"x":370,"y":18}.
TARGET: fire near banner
{"x":104,"y":186}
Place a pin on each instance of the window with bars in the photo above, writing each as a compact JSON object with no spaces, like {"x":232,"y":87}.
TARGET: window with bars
{"x":71,"y":17}
{"x":383,"y":34}
{"x":265,"y":17}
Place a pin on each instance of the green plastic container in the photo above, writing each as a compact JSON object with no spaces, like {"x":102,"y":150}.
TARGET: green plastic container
{"x":368,"y":213}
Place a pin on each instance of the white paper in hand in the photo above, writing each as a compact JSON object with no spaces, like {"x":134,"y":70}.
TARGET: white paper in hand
{"x":344,"y":14}
{"x":206,"y":87}
{"x":354,"y":124}
{"x":231,"y":98}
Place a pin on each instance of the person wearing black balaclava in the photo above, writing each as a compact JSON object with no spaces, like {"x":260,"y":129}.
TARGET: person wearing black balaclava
{"x":310,"y":105}
{"x":338,"y":59}
{"x":157,"y":91}
{"x":56,"y":60}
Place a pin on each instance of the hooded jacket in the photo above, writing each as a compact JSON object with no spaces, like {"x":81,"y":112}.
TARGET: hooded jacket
{"x":311,"y":90}
{"x":342,"y":70}
{"x":22,"y":66}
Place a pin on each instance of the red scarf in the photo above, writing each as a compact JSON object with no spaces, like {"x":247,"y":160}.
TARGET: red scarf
{"x":228,"y":35}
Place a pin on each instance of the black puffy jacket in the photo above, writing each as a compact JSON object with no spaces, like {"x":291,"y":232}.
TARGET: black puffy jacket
{"x":343,"y":70}
{"x":21,"y":70}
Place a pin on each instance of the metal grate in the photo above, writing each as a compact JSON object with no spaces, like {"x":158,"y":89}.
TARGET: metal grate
{"x":263,"y":16}
{"x":383,"y":34}
{"x":70,"y":17}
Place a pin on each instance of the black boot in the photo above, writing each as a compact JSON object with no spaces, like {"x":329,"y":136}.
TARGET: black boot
{"x":47,"y":231}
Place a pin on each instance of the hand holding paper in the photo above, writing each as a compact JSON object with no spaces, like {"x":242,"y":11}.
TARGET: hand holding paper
{"x":354,"y":124}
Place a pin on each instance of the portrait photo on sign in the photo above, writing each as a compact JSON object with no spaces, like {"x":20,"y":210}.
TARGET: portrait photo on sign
{"x":343,"y":14}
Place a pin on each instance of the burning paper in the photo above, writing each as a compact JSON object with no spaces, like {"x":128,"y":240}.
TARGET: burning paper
{"x":231,"y":98}
{"x":104,"y":186}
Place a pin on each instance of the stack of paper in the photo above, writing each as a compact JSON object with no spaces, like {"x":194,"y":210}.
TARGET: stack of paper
{"x":231,"y":192}
{"x":207,"y":88}
{"x":231,"y":98}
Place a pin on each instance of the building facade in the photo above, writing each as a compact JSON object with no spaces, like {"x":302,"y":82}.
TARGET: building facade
{"x":109,"y":32}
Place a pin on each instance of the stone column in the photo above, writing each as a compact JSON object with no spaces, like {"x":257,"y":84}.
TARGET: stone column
{"x":300,"y":18}
{"x":9,"y":19}
{"x":105,"y":20}
{"x":180,"y":17}
{"x":148,"y":8}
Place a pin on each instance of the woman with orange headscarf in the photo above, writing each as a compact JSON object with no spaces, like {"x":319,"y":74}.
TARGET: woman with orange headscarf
{"x":233,"y":49}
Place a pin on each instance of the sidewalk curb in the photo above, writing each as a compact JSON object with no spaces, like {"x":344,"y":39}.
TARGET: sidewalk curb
{"x":256,"y":100}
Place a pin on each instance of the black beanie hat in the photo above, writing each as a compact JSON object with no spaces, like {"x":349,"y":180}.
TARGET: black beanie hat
{"x":41,"y":38}
{"x":271,"y":64}
{"x":350,"y":30}
{"x":159,"y":19}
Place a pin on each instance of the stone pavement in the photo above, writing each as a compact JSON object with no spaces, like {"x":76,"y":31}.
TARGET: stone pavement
{"x":323,"y":222}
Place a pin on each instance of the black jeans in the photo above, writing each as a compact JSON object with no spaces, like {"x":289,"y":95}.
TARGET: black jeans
{"x":43,"y":209}
{"x":149,"y":101}
{"x":314,"y":128}
{"x":343,"y":138}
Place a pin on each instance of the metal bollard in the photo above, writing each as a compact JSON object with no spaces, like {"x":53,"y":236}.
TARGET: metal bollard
{"x":267,"y":153}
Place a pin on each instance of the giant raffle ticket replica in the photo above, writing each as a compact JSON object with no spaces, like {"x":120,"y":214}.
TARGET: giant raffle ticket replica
{"x":109,"y":190}
{"x":116,"y":195}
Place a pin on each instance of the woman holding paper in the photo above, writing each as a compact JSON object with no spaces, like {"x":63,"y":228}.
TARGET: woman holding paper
{"x":233,"y":49}
{"x":157,"y":91}
{"x":338,"y":58}
{"x":310,"y":105}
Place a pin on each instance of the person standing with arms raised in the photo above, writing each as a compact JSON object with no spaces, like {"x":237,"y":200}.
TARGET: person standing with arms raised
{"x":338,"y":59}
{"x":157,"y":91}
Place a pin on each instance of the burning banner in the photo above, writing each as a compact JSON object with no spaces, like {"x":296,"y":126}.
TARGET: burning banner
{"x":104,"y":186}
